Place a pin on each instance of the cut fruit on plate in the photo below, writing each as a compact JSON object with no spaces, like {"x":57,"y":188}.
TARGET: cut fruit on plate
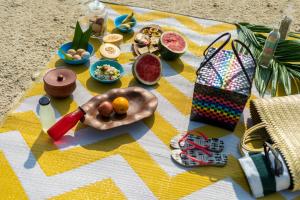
{"x":147,"y":69}
{"x":110,"y":51}
{"x":172,"y":45}
{"x":114,"y":38}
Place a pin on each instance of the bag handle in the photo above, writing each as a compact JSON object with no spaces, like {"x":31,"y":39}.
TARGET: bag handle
{"x":278,"y":166}
{"x":228,"y":35}
{"x":240,"y":60}
{"x":250,"y":135}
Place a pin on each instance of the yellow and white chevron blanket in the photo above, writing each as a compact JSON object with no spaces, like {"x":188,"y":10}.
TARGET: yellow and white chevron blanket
{"x":131,"y":162}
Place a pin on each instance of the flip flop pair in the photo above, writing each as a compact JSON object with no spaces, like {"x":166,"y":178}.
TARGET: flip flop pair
{"x":192,"y":150}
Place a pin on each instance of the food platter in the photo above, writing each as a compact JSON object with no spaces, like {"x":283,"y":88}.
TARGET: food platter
{"x":142,"y":104}
{"x":151,"y":34}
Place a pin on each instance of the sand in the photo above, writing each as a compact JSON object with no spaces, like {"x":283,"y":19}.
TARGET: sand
{"x":32,"y":30}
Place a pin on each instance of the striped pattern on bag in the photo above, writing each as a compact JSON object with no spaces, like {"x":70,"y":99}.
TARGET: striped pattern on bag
{"x":260,"y":177}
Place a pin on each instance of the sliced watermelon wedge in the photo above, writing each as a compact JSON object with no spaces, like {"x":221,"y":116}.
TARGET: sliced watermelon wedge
{"x":172,"y":45}
{"x":147,"y":69}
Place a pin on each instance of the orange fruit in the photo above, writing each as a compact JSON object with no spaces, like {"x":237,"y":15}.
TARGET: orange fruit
{"x":120,"y":105}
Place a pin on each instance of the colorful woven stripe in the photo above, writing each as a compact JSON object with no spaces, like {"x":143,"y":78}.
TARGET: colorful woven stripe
{"x":217,"y":106}
{"x":224,"y":72}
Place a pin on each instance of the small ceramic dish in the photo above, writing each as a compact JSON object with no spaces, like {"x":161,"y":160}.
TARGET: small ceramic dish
{"x":119,"y":20}
{"x":112,"y":63}
{"x":65,"y":47}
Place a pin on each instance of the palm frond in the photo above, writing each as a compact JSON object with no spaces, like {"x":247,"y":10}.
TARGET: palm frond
{"x":294,"y":35}
{"x":262,"y":79}
{"x":285,"y":79}
{"x":285,"y":66}
{"x":265,"y":29}
{"x":275,"y":73}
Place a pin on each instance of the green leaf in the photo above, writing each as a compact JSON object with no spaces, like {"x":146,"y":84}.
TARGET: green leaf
{"x":288,"y":51}
{"x":296,"y":83}
{"x":275,"y":68}
{"x":83,"y":44}
{"x":294,"y":35}
{"x":81,"y":39}
{"x":265,"y":29}
{"x":285,"y":79}
{"x":250,"y":36}
{"x":262,"y":79}
{"x":257,"y":28}
{"x":65,"y":55}
{"x":77,"y":36}
{"x":294,"y":73}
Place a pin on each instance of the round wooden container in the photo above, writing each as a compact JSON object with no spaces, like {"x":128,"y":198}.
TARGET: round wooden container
{"x":59,"y":83}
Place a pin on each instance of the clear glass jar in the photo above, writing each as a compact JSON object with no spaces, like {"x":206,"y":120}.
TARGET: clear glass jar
{"x":97,"y":16}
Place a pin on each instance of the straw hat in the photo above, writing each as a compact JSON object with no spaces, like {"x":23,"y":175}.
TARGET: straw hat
{"x":279,"y":119}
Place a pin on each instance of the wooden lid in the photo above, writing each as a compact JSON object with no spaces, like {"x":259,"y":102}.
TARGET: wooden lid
{"x":60,"y":77}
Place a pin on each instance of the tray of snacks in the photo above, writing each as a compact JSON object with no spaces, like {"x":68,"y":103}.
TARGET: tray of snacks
{"x":117,"y":107}
{"x":147,"y":40}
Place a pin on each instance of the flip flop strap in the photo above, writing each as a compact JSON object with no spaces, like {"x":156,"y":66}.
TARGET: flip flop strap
{"x":201,"y":162}
{"x":202,"y":134}
{"x":197,"y":146}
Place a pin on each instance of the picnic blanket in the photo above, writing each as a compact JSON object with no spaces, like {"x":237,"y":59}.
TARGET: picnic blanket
{"x":131,"y":162}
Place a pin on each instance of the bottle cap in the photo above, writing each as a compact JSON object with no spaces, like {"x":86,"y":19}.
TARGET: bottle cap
{"x":44,"y":101}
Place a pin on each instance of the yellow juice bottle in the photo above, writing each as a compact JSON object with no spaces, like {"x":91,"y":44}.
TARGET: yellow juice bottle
{"x":46,"y":113}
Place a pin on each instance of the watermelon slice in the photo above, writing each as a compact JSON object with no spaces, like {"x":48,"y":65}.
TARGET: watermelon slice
{"x":147,"y":69}
{"x":172,"y":45}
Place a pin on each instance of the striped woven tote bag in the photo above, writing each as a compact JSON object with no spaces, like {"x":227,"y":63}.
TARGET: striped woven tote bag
{"x":223,"y":85}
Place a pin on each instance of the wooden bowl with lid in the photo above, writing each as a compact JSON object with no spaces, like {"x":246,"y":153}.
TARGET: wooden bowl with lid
{"x":59,"y":83}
